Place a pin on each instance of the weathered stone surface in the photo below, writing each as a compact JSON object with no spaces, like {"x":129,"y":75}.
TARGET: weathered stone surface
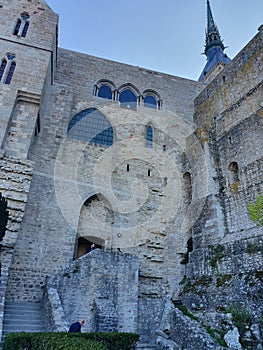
{"x":178,"y":207}
{"x":232,"y":339}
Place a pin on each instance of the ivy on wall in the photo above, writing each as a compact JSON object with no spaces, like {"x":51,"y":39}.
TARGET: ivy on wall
{"x":255,"y":210}
{"x":3,"y":216}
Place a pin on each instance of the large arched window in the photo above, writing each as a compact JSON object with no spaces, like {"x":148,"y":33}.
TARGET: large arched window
{"x":128,"y":99}
{"x":149,"y":136}
{"x":91,"y":126}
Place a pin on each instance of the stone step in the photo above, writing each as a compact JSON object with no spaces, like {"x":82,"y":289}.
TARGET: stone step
{"x":22,"y":305}
{"x":23,"y":317}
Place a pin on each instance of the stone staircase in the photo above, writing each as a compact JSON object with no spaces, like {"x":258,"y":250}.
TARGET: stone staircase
{"x":23,"y":317}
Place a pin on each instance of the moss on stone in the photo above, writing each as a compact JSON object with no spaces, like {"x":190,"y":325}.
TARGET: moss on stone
{"x":223,"y":279}
{"x":217,"y":255}
{"x":255,"y":210}
{"x":234,"y":187}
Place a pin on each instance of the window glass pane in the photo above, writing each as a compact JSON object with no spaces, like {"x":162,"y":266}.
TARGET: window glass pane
{"x":10,"y":73}
{"x":128,"y":99}
{"x":91,"y":126}
{"x":25,"y":29}
{"x":150,"y":102}
{"x":18,"y":24}
{"x":2,"y":68}
{"x":105,"y":92}
{"x":149,"y":136}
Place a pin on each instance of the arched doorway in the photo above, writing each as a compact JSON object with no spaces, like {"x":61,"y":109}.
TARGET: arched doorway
{"x":96,"y":222}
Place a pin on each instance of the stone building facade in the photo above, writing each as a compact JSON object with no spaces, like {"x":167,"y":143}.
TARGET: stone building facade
{"x":155,"y":169}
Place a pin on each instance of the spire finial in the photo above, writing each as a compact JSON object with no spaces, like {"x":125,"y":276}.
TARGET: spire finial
{"x":212,"y":33}
{"x":214,"y":47}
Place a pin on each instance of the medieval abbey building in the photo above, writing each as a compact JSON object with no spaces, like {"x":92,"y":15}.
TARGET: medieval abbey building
{"x":163,"y":174}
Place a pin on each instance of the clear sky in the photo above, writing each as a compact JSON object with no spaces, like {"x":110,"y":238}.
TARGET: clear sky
{"x":163,"y":35}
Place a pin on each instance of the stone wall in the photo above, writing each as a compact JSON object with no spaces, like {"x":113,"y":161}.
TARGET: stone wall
{"x":68,"y":173}
{"x":102,"y":288}
{"x":15,"y":179}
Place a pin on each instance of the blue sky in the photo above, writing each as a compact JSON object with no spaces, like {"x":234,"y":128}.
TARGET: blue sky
{"x":162,"y":35}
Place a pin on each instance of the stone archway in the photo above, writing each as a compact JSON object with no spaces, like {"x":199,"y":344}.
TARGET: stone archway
{"x":96,"y":222}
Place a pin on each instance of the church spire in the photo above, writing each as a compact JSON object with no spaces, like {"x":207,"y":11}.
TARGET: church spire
{"x":212,"y":32}
{"x":214,"y":47}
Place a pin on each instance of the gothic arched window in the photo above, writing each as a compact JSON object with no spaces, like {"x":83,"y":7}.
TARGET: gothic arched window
{"x":91,"y":126}
{"x":150,"y":102}
{"x":22,"y":25}
{"x":149,"y":136}
{"x":151,"y":99}
{"x":105,"y":92}
{"x":105,"y":89}
{"x":128,"y":99}
{"x":7,"y":68}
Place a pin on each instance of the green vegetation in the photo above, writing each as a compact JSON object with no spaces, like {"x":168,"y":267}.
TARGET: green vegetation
{"x":255,"y":210}
{"x":183,"y":280}
{"x":222,"y":279}
{"x":216,"y":334}
{"x":186,"y":312}
{"x":217,"y":255}
{"x":198,"y":286}
{"x":70,"y":341}
{"x":252,"y":248}
{"x":241,"y":317}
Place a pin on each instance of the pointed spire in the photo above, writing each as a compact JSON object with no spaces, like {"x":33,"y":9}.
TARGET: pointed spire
{"x":210,"y":20}
{"x":212,"y":33}
{"x":214,"y":47}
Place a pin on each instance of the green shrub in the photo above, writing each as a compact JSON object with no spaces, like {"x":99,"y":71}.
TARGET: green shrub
{"x":17,"y":341}
{"x":49,"y":341}
{"x":186,"y":312}
{"x":114,"y":340}
{"x":216,"y":255}
{"x":216,"y":334}
{"x":252,"y":248}
{"x":70,"y":341}
{"x":255,"y":210}
{"x":241,"y":317}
